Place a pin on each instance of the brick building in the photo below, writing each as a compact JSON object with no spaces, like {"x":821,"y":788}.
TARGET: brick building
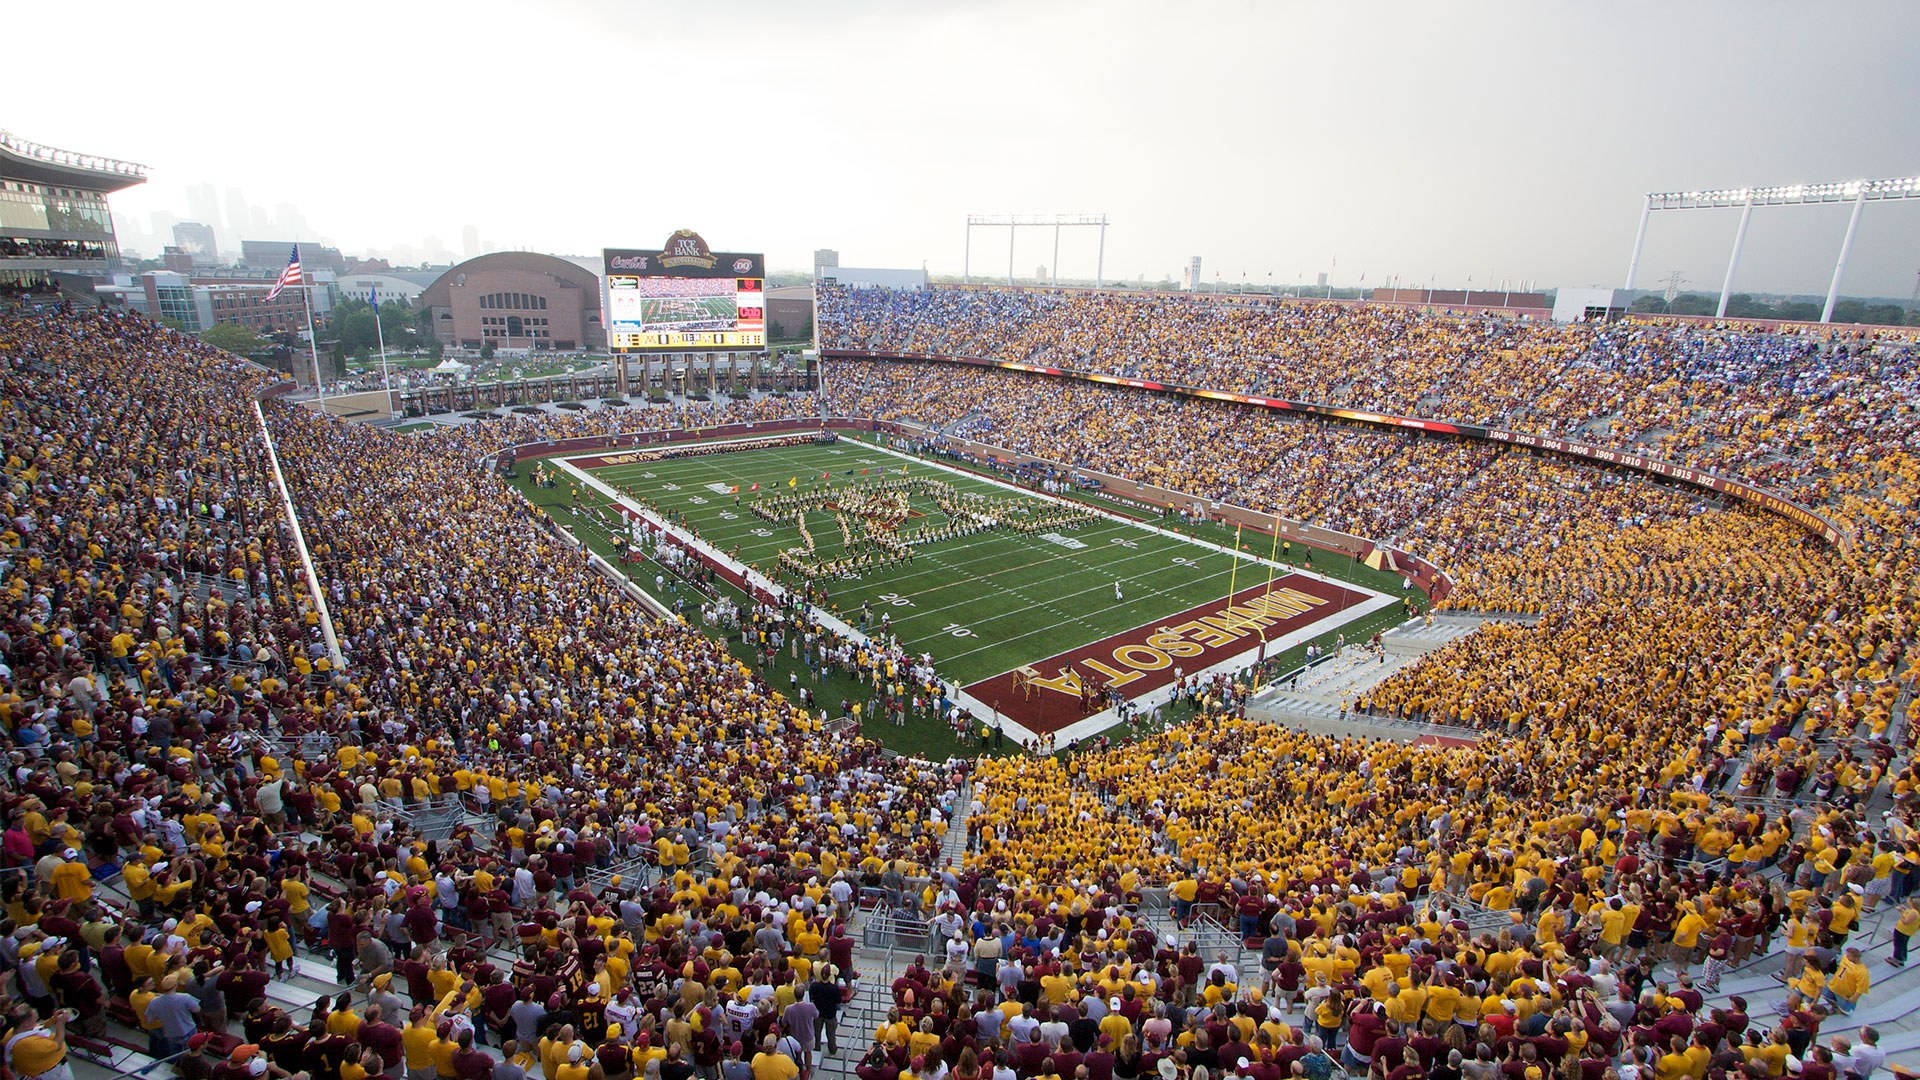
{"x":199,"y":301}
{"x":519,"y":300}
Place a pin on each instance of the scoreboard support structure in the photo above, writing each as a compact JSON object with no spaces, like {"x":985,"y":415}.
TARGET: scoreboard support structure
{"x":710,"y":372}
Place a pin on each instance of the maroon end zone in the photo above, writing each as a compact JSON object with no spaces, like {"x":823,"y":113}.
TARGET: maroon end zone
{"x":1143,"y":659}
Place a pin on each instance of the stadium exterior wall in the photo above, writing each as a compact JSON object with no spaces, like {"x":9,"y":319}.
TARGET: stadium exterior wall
{"x":1428,"y":577}
{"x":1771,"y":501}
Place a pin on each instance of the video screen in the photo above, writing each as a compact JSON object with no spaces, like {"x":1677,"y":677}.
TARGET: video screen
{"x":685,"y":298}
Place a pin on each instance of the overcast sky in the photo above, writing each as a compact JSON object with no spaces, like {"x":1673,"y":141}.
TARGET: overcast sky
{"x":1491,"y":141}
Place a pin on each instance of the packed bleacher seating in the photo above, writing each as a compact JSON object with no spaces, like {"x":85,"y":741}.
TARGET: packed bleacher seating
{"x":532,"y":829}
{"x":1346,"y":477}
{"x":181,"y":731}
{"x":1778,"y":409}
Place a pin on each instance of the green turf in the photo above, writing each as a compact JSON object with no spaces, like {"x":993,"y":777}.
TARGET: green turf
{"x":926,"y":737}
{"x":980,"y":604}
{"x":921,"y":737}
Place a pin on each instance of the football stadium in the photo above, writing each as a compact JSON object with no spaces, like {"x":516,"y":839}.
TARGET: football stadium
{"x":947,"y":676}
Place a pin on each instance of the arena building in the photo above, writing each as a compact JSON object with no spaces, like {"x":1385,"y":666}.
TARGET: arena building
{"x":517,"y":299}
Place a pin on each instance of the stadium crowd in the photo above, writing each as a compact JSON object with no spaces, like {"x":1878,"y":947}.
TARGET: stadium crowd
{"x":1346,"y":477}
{"x":178,"y":724}
{"x":654,"y":858}
{"x":1772,"y":408}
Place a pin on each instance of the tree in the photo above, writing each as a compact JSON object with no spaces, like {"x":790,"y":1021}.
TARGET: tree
{"x":353,"y":325}
{"x":1649,"y":304}
{"x":435,"y":349}
{"x":234,"y":338}
{"x":486,"y":350}
{"x":1693,"y":304}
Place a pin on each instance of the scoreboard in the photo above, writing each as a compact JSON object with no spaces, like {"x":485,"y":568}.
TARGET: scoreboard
{"x":684,"y":298}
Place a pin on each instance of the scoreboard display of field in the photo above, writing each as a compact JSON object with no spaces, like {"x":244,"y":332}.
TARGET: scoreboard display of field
{"x":685,"y":297}
{"x":1032,"y":605}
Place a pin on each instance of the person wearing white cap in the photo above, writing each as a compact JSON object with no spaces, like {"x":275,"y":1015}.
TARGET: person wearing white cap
{"x":70,"y":877}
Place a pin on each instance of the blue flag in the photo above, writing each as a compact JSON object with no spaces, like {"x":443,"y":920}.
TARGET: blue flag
{"x":373,"y":297}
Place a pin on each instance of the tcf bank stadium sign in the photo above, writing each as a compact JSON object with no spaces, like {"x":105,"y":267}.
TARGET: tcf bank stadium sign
{"x":685,"y":254}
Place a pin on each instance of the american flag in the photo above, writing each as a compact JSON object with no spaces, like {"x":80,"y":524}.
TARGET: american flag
{"x":289,"y":276}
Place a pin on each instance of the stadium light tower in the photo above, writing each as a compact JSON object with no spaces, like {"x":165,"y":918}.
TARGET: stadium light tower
{"x":1857,"y":192}
{"x":1013,"y":223}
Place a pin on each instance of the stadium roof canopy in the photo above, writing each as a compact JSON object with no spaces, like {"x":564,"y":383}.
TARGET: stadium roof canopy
{"x":21,"y":159}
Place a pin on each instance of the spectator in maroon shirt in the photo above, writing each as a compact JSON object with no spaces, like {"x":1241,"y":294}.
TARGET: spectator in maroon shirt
{"x":470,"y":1063}
{"x":419,"y":981}
{"x":381,"y":1037}
{"x":242,"y":987}
{"x":341,"y":931}
{"x":422,"y":925}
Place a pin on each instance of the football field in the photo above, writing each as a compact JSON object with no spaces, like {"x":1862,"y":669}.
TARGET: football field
{"x":1065,"y":594}
{"x":671,"y":312}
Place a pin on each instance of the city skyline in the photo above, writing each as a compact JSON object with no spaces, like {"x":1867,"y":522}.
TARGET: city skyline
{"x":1482,"y":144}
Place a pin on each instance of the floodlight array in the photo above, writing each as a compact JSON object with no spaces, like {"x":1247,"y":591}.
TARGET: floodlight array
{"x":1902,"y":187}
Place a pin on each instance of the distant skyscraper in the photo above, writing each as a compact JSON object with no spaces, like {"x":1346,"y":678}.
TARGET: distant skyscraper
{"x":469,"y":242}
{"x":203,"y":202}
{"x":197,"y":241}
{"x":239,"y":216}
{"x":290,"y":221}
{"x":825,"y":257}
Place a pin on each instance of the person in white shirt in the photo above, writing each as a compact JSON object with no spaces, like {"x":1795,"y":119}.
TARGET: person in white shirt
{"x":1867,"y":1055}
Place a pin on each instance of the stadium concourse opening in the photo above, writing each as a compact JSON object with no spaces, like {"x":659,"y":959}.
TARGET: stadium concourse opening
{"x":1038,"y":611}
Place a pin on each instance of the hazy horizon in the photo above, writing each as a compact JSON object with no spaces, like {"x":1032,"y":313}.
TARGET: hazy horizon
{"x":1496,"y":142}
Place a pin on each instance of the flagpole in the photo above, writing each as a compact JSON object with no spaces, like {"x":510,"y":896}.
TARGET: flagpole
{"x":313,"y":348}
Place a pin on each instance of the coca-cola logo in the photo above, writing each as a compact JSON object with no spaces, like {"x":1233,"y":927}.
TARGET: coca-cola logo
{"x":629,"y":262}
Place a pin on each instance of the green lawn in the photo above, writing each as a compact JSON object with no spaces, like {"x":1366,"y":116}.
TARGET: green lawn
{"x":981,"y":604}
